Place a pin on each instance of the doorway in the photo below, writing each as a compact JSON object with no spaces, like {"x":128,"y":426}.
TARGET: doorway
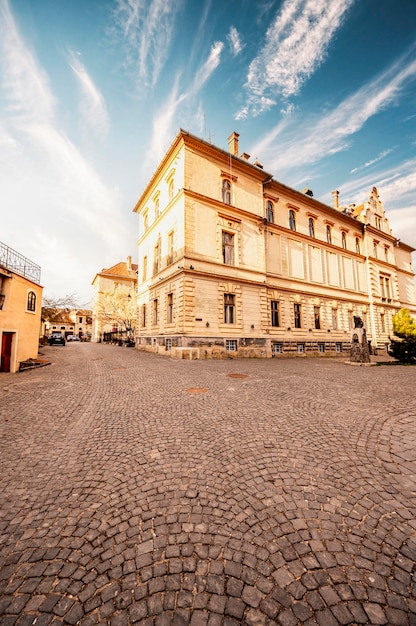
{"x":6,"y":352}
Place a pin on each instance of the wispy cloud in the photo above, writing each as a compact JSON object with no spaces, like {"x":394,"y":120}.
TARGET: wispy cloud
{"x":146,"y":29}
{"x":168,"y":113}
{"x":210,"y":65}
{"x":397,"y":188}
{"x":234,"y":41}
{"x":62,"y":188}
{"x":93,"y":109}
{"x":296,"y":44}
{"x":372,"y":161}
{"x":163,"y":124}
{"x":26,"y":86}
{"x":301,"y":140}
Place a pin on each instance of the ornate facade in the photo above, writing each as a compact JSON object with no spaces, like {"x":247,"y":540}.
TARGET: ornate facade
{"x":233,"y":262}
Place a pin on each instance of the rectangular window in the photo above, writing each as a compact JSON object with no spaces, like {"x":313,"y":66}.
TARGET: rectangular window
{"x":144,"y":315}
{"x":317,"y":317}
{"x":387,"y":284}
{"x":170,"y":247}
{"x":383,"y":323}
{"x":168,"y":344}
{"x":338,"y":347}
{"x":297,"y":313}
{"x":227,"y":248}
{"x":385,"y":292}
{"x":321,"y":347}
{"x":278,"y":348}
{"x":155,"y":318}
{"x":231,"y":345}
{"x":80,"y":320}
{"x":382,"y":290}
{"x":169,"y":311}
{"x":335,"y":319}
{"x":274,"y":311}
{"x":144,"y":274}
{"x":229,"y":308}
{"x":301,"y":348}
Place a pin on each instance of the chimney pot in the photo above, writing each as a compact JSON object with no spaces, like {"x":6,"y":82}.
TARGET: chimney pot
{"x":335,"y":199}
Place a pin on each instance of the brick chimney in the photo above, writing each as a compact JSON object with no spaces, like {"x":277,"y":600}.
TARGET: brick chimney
{"x":233,"y":143}
{"x":335,"y":199}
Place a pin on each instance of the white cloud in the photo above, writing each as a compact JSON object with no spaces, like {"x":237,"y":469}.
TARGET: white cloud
{"x":397,"y":189}
{"x":305,"y":140}
{"x":210,"y":65}
{"x":93,"y":109}
{"x":54,"y":192}
{"x":25,"y":86}
{"x":234,"y":41}
{"x":146,"y":30}
{"x":296,"y":45}
{"x":166,"y":117}
{"x":163,"y":122}
{"x":378,"y":158}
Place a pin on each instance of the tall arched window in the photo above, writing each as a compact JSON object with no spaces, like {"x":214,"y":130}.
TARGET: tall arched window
{"x":31,"y":301}
{"x":357,"y":245}
{"x":226,"y":191}
{"x":328,"y":234}
{"x":344,"y":240}
{"x":292,"y":220}
{"x":171,"y":189}
{"x":269,"y":211}
{"x":311,"y":227}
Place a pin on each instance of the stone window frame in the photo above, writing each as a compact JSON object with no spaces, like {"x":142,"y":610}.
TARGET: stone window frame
{"x":270,"y":211}
{"x":232,"y":289}
{"x":31,"y":301}
{"x":297,"y":315}
{"x":229,"y":308}
{"x":231,"y":225}
{"x":170,"y":318}
{"x":275,"y":312}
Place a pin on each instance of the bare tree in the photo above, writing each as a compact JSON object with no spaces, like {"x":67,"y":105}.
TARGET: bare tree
{"x":117,"y":308}
{"x":52,"y":305}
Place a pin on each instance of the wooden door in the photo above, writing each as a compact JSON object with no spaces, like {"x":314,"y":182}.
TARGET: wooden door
{"x":6,"y":352}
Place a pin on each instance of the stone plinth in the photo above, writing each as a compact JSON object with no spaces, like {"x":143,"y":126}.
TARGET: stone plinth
{"x":359,"y":346}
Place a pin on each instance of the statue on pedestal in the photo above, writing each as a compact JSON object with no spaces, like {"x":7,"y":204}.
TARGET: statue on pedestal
{"x":359,"y":345}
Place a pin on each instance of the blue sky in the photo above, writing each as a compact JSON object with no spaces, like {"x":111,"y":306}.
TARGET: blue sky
{"x":92,"y":93}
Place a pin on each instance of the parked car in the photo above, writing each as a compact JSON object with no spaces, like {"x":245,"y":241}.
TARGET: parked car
{"x":57,"y":339}
{"x":72,"y":338}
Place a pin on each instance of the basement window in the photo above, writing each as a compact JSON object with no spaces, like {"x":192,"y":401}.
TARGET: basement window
{"x":231,"y":345}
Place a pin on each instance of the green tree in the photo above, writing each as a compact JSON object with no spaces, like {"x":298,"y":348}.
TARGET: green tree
{"x":404,"y":347}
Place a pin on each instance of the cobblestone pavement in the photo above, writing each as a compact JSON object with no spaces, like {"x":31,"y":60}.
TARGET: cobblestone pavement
{"x":141,"y":490}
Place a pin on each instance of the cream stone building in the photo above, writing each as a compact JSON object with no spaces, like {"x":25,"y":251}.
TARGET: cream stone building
{"x":114,"y":288}
{"x":20,"y":309}
{"x":233,"y":262}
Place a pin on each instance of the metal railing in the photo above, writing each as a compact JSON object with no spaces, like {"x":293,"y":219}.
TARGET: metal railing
{"x":16,"y":262}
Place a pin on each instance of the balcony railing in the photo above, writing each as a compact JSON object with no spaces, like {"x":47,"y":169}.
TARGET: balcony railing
{"x":15,"y":262}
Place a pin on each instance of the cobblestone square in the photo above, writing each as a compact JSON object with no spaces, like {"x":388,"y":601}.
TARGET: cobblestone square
{"x":140,"y":490}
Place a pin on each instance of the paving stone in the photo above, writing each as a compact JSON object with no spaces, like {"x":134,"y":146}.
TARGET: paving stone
{"x":132,"y":502}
